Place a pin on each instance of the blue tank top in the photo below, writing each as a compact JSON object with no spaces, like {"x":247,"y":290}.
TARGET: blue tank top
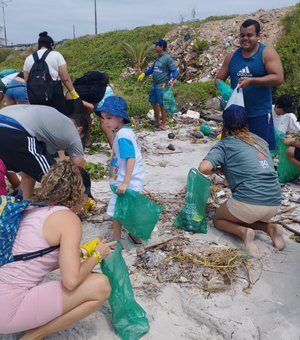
{"x":258,"y":99}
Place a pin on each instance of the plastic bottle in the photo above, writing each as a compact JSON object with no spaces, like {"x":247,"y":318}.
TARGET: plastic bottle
{"x":205,"y":129}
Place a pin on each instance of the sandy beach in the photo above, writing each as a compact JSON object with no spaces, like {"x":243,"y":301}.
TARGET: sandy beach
{"x":269,"y":309}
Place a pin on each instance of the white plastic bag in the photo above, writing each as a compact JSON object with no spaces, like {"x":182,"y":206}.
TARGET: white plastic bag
{"x":236,"y":98}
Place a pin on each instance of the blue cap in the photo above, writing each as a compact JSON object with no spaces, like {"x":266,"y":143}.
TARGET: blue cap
{"x":161,"y":42}
{"x":235,"y":117}
{"x":115,"y":106}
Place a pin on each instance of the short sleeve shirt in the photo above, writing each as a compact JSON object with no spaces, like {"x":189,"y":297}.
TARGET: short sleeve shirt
{"x":47,"y":125}
{"x":250,"y":173}
{"x":162,"y":68}
{"x":54,"y":60}
{"x":125,"y":146}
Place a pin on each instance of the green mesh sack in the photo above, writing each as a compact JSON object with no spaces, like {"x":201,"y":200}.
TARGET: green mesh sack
{"x":128,"y":317}
{"x":193,"y":215}
{"x":286,"y":170}
{"x":137,"y":213}
{"x":278,"y":136}
{"x":169,"y":100}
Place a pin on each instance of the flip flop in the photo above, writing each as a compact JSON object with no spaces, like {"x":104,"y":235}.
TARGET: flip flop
{"x":161,"y":128}
{"x":135,"y":239}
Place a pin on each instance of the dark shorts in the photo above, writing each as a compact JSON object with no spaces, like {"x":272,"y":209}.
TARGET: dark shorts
{"x":156,"y":95}
{"x":22,"y":152}
{"x":297,"y":154}
{"x":263,"y":126}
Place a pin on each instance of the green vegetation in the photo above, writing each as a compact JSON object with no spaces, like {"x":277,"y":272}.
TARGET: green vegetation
{"x":199,"y":45}
{"x":96,"y":170}
{"x":114,"y":52}
{"x":289,"y":51}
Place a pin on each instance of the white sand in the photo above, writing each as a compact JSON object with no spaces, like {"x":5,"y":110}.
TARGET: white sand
{"x":270,"y":311}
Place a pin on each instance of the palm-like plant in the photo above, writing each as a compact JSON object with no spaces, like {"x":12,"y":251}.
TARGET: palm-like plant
{"x":137,"y":54}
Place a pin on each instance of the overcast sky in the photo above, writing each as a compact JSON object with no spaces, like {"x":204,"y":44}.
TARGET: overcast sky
{"x":25,"y":19}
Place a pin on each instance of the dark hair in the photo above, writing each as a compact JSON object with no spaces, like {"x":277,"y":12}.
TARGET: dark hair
{"x":298,"y":113}
{"x":285,"y":102}
{"x":86,"y":180}
{"x":250,"y":22}
{"x":234,"y":118}
{"x":80,"y":121}
{"x":45,"y":41}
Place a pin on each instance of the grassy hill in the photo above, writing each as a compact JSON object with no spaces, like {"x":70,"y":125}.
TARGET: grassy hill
{"x":103,"y":52}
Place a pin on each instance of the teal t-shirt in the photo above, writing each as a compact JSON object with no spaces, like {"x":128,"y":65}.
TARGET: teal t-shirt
{"x":250,"y":174}
{"x":162,"y":69}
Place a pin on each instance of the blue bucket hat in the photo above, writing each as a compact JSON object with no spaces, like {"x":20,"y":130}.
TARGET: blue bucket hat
{"x":161,"y":42}
{"x":115,"y":106}
{"x":235,"y":117}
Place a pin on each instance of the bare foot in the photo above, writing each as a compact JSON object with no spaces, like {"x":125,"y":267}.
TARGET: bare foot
{"x":275,"y":232}
{"x":249,"y":241}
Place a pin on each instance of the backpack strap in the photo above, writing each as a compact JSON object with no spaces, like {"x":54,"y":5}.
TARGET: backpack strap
{"x":43,"y":57}
{"x":38,"y":253}
{"x":34,"y":254}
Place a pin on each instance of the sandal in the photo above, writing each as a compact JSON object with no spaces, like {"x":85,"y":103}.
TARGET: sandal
{"x":135,"y":239}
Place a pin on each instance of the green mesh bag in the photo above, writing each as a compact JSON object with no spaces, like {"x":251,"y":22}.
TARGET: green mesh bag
{"x":169,"y":100}
{"x":137,"y":213}
{"x":193,"y":215}
{"x":286,"y":171}
{"x":128,"y":317}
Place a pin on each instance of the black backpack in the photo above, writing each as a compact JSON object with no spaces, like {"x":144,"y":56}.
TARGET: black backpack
{"x":91,"y":86}
{"x":40,"y":85}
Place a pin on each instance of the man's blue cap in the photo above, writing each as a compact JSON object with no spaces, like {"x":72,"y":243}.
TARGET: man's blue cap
{"x":161,"y":42}
{"x":115,"y":106}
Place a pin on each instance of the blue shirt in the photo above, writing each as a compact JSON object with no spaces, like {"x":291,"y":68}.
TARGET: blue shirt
{"x":251,"y":175}
{"x":163,"y":66}
{"x":258,"y":99}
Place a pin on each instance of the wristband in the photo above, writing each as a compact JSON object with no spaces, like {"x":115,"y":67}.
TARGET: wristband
{"x":96,"y":254}
{"x":74,"y":94}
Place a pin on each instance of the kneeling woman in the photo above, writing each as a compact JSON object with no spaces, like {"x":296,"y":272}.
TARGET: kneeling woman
{"x":248,"y":168}
{"x":42,"y":308}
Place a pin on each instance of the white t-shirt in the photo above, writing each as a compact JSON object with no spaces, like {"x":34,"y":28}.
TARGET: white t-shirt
{"x":125,"y":146}
{"x":7,"y":79}
{"x":54,"y":60}
{"x":285,"y":123}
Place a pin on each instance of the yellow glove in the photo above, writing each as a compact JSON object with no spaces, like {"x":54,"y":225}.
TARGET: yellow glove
{"x":89,"y":205}
{"x":74,"y":94}
{"x":141,"y":76}
{"x":89,"y":247}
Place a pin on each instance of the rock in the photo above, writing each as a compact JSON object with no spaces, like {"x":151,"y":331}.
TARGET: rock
{"x":171,"y":135}
{"x":171,"y":147}
{"x":212,"y":103}
{"x":198,"y":134}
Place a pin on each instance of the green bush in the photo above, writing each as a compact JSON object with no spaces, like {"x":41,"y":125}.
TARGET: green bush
{"x":288,"y":49}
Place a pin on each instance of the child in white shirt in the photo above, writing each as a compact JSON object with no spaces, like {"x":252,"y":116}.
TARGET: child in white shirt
{"x":126,"y":169}
{"x":283,"y":116}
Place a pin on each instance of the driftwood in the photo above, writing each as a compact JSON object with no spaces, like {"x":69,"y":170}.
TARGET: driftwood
{"x":283,"y":211}
{"x":286,"y":226}
{"x":160,"y":242}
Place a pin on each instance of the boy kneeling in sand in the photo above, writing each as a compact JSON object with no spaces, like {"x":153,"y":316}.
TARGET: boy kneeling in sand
{"x":126,"y":169}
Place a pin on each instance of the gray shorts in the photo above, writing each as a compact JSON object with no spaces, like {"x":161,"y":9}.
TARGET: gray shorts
{"x":250,"y":213}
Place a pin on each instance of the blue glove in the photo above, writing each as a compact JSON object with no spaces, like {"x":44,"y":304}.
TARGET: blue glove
{"x":225,"y":90}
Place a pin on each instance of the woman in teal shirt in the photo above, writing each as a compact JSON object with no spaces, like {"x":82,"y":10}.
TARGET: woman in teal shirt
{"x":244,"y":159}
